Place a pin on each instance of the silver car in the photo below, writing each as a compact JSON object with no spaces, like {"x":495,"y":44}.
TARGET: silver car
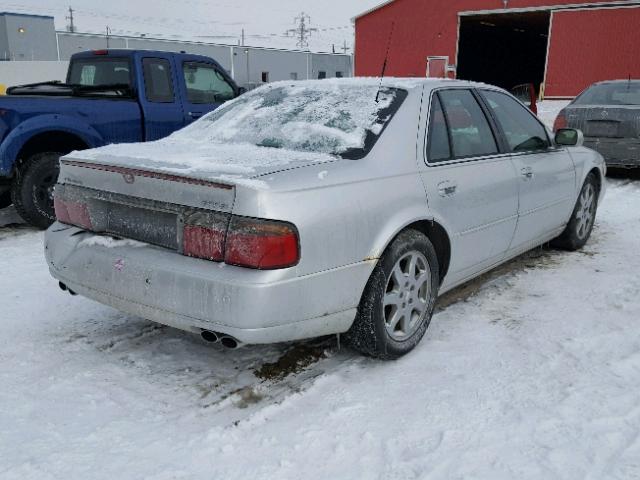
{"x":304,"y":209}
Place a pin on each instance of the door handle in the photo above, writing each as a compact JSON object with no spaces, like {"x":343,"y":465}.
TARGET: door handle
{"x":447,"y":188}
{"x":527,"y":173}
{"x":195,"y":114}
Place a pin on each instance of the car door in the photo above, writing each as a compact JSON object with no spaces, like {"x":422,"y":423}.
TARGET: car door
{"x":471,"y":186}
{"x":546,"y":173}
{"x":204,"y":87}
{"x":161,"y":107}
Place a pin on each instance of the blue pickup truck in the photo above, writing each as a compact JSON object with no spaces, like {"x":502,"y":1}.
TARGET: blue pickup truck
{"x":110,"y":96}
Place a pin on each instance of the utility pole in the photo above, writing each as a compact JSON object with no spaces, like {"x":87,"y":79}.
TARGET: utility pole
{"x":71,"y":27}
{"x":242,"y":42}
{"x":302,"y":32}
{"x":108,"y":33}
{"x":345,"y":49}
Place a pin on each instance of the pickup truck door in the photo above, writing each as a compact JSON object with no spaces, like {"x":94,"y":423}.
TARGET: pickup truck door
{"x":204,"y":87}
{"x":546,"y":173}
{"x":161,"y":107}
{"x":471,"y":186}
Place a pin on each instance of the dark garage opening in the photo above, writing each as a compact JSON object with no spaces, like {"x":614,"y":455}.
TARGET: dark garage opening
{"x":504,"y":49}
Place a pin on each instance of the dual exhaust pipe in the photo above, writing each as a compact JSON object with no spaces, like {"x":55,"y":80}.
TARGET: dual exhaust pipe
{"x":64,"y":288}
{"x":227,"y":341}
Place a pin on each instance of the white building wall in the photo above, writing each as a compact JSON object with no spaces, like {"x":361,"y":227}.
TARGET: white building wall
{"x":19,"y":73}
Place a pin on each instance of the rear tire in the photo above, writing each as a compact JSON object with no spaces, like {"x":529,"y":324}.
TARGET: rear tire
{"x":398,"y":300}
{"x":32,"y":189}
{"x":579,"y":228}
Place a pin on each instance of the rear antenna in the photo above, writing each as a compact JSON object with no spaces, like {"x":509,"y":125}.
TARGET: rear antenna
{"x":386,"y":57}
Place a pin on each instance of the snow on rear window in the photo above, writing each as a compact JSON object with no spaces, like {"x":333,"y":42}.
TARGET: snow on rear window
{"x":330,"y":118}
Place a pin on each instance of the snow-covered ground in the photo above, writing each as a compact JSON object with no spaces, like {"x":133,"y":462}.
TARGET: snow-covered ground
{"x":531,"y":372}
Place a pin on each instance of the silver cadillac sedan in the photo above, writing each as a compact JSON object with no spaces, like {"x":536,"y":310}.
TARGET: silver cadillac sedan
{"x":304,"y":209}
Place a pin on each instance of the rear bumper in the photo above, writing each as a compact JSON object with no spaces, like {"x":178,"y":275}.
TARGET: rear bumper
{"x":190,"y":294}
{"x":617,"y":152}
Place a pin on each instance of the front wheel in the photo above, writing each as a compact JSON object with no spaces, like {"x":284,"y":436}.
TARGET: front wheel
{"x":32,"y":189}
{"x":579,"y":228}
{"x":397,"y":304}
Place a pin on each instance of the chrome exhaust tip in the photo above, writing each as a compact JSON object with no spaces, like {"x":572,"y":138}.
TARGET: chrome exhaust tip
{"x":208,"y":336}
{"x":230,"y":342}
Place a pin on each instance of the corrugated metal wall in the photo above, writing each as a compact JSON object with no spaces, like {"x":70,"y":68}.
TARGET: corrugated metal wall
{"x":425,"y":28}
{"x":592,"y":45}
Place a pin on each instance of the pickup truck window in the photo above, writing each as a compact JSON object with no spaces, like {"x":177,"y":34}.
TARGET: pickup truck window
{"x":95,"y":72}
{"x":157,"y":80}
{"x":205,"y":84}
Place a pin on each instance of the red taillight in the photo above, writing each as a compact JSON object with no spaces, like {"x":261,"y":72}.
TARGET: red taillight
{"x":561,"y":122}
{"x":203,"y":242}
{"x":101,"y":52}
{"x":261,"y":244}
{"x":72,"y":213}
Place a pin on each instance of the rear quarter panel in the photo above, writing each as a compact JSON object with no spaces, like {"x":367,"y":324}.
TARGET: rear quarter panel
{"x":347,"y":211}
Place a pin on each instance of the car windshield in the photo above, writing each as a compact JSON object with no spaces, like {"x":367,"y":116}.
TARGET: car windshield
{"x":331,"y":118}
{"x":621,"y":93}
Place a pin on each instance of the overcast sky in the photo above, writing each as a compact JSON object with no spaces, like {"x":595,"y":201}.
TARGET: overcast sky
{"x":264,"y":21}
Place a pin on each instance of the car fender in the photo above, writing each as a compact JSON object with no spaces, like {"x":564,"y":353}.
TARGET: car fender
{"x":585,"y":160}
{"x":401,"y":220}
{"x":19,"y":136}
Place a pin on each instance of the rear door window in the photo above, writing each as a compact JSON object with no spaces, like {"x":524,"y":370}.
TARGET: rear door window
{"x":471,"y":135}
{"x":438,"y":147}
{"x":521,"y":129}
{"x":157,"y":80}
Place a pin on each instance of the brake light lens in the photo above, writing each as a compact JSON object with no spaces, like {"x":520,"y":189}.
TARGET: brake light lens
{"x":561,"y":122}
{"x":72,"y":213}
{"x":261,"y":244}
{"x":203,"y":242}
{"x":203,"y":235}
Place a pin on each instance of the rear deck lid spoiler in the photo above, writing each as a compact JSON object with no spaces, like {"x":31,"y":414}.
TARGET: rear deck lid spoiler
{"x":148,"y":184}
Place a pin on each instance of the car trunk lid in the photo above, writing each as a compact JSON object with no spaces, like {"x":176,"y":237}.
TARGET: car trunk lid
{"x":605,"y":121}
{"x":148,"y":192}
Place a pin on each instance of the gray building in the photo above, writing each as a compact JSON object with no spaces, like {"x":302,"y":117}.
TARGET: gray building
{"x":27,"y":37}
{"x":249,"y":66}
{"x":33,"y":37}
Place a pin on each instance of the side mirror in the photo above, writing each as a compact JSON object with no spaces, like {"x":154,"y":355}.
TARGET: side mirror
{"x":569,"y":137}
{"x":241,"y":90}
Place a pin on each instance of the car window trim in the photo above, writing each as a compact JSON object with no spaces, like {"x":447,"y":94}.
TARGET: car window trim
{"x":552,"y":145}
{"x":462,"y":159}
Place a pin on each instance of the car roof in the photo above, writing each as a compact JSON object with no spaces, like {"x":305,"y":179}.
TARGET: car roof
{"x":410,"y":83}
{"x":125,"y":52}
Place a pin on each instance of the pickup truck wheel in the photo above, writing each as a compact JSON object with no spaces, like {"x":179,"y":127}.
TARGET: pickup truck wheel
{"x":32,"y":189}
{"x":579,"y":228}
{"x":397,"y":304}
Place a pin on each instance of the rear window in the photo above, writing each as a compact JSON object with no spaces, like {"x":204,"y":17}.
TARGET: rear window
{"x":622,"y":93}
{"x":333,"y":118}
{"x":96,"y":72}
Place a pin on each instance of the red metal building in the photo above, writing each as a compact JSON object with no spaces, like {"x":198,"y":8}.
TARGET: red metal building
{"x":561,"y":47}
